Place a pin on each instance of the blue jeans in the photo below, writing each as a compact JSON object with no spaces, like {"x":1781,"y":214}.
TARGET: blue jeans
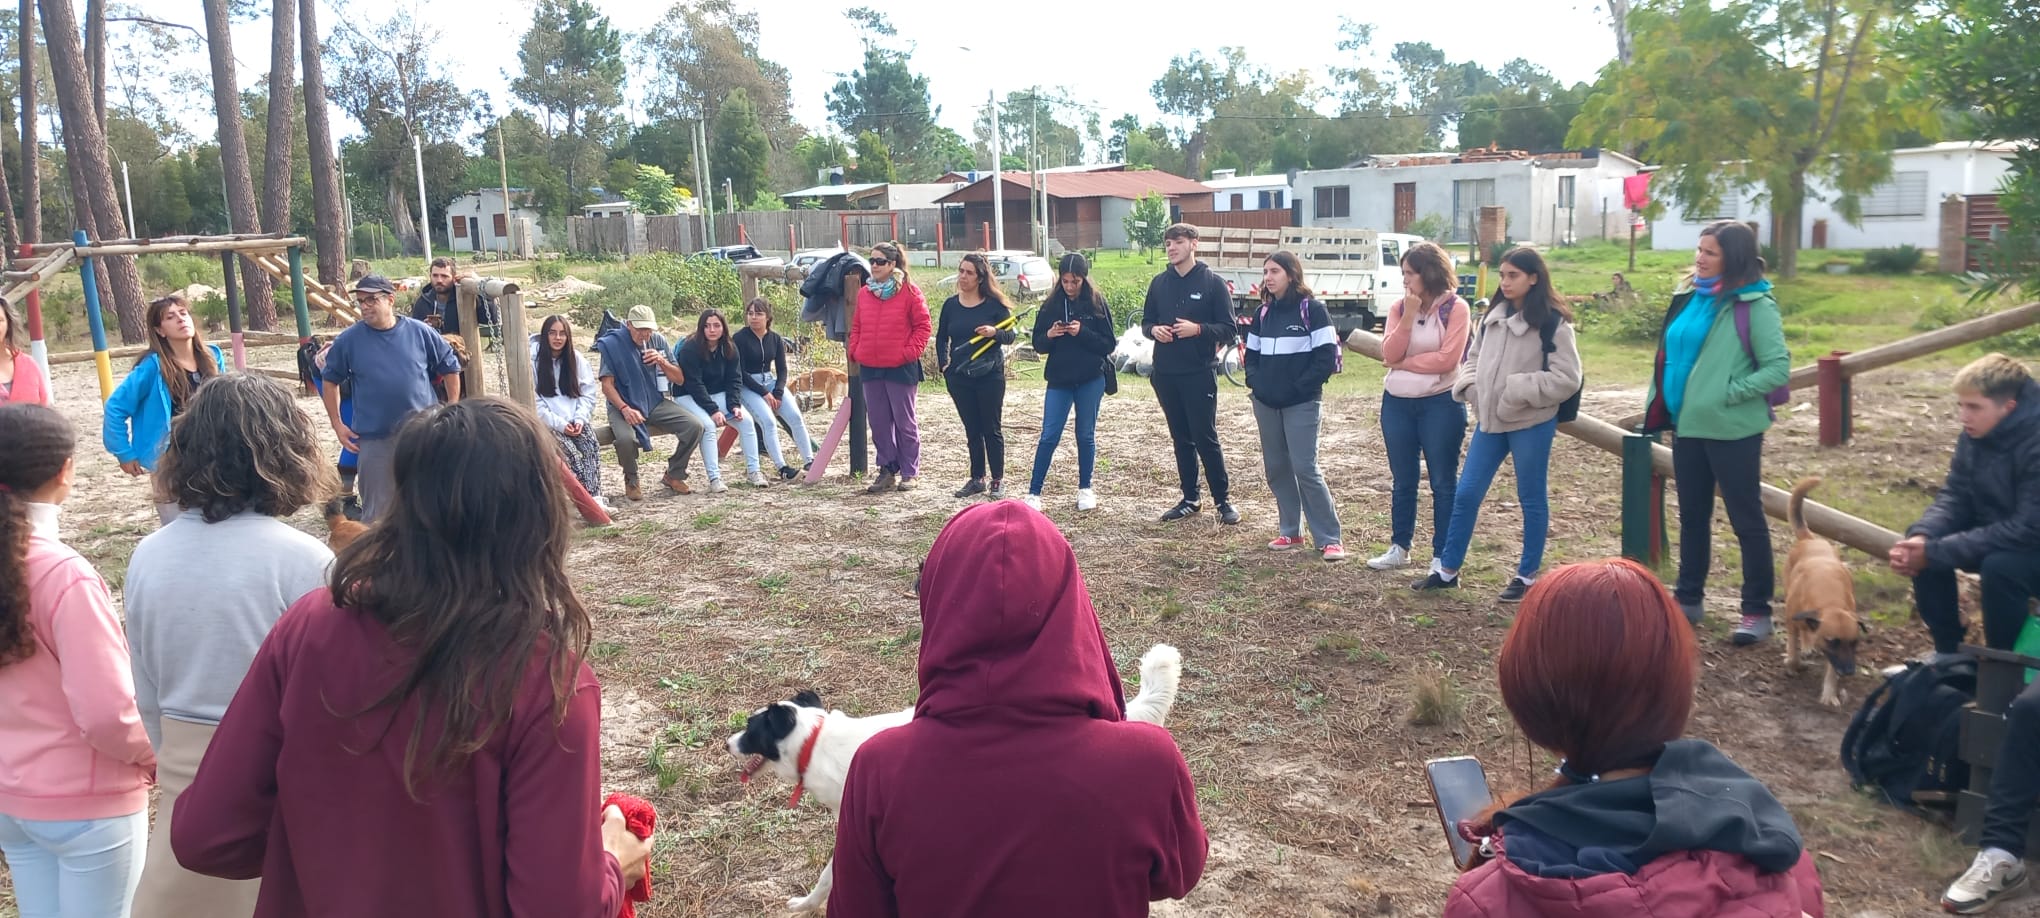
{"x":747,"y":436}
{"x":86,"y":868}
{"x":789,"y":411}
{"x":1055,"y":412}
{"x":1433,"y":427}
{"x":1531,"y":450}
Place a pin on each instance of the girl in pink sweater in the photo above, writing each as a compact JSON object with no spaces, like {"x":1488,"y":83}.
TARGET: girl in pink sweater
{"x":1426,"y":341}
{"x":75,"y":764}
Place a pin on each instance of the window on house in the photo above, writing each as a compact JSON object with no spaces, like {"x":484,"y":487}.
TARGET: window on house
{"x":1468,"y":197}
{"x":502,"y":226}
{"x":1566,"y":184}
{"x":1726,"y":210}
{"x":459,"y":227}
{"x":1334,"y":202}
{"x":1904,"y":195}
{"x":1272,"y":200}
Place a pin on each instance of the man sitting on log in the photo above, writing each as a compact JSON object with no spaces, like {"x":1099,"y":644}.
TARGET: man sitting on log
{"x":1987,"y":520}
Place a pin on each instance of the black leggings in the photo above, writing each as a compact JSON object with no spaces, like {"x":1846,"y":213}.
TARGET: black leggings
{"x":1735,"y":466}
{"x":981,"y":404}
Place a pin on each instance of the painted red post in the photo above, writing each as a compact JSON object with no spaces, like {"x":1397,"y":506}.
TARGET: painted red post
{"x":1834,"y":400}
{"x":988,"y":235}
{"x":37,"y":348}
{"x":791,"y":247}
{"x":938,"y":241}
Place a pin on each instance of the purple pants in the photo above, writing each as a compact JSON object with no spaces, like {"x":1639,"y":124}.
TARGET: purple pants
{"x":895,"y":437}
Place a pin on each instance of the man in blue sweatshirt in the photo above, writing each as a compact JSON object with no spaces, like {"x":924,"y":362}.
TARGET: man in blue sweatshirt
{"x":388,"y":363}
{"x":1189,"y":315}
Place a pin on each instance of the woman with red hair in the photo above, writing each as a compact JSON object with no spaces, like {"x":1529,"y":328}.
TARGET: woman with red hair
{"x":1599,"y":668}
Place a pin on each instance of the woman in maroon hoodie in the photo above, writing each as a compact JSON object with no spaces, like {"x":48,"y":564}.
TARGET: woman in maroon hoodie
{"x":1019,"y":789}
{"x":379,"y":758}
{"x":1599,"y":668}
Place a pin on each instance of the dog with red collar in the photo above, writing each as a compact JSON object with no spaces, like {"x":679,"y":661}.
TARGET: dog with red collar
{"x":809,"y":746}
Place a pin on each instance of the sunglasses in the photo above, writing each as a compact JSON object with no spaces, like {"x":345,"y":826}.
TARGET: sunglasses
{"x":880,"y":261}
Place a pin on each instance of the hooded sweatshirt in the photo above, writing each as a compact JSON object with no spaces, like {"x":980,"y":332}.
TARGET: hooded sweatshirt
{"x":1991,"y":500}
{"x":1019,"y":789}
{"x":1695,"y":837}
{"x":1200,"y":296}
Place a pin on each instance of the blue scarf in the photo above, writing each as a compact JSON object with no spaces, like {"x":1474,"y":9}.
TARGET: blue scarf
{"x":884,"y":291}
{"x":1707,"y":286}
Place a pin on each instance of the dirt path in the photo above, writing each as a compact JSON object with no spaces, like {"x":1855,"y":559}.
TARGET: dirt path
{"x":1298,"y":680}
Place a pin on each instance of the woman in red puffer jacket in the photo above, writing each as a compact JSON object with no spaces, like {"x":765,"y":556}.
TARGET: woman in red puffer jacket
{"x":1599,"y":668}
{"x":887,"y":335}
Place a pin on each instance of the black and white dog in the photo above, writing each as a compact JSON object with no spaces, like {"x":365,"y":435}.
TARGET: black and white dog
{"x":787,"y":739}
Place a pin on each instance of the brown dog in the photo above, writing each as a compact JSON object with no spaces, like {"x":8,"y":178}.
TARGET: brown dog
{"x":1820,"y":601}
{"x":833,"y":385}
{"x":340,"y":531}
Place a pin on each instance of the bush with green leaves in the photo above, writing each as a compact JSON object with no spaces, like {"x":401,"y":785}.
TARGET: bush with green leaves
{"x":1430,"y":226}
{"x":374,"y":240}
{"x":1902,"y":260}
{"x":621,"y":289}
{"x":176,"y":272}
{"x":548,"y":271}
{"x":210,"y":311}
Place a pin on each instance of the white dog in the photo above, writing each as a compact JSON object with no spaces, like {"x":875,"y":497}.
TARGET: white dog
{"x":809,"y":747}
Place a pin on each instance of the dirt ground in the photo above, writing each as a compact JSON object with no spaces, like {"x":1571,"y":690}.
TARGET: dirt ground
{"x":1299,"y":677}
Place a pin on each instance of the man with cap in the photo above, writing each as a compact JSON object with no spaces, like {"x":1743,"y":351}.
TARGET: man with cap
{"x":389,"y":363}
{"x":633,"y":360}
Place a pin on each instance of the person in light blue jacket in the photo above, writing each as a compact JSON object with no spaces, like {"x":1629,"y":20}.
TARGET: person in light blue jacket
{"x":137,"y":417}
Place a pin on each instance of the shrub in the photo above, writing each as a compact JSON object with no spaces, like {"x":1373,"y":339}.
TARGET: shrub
{"x":547,"y":271}
{"x":1902,"y":260}
{"x":621,"y":289}
{"x":176,"y":272}
{"x":211,"y":311}
{"x":1430,"y":226}
{"x":696,"y":283}
{"x":374,"y":240}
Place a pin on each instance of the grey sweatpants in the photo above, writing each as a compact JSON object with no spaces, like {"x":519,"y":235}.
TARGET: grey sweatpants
{"x":1289,"y":441}
{"x":376,"y":471}
{"x":666,"y":417}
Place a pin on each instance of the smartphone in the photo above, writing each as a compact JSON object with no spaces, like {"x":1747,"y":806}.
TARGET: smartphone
{"x":1459,"y":789}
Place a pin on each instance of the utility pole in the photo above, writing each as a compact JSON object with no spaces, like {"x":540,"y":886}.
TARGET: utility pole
{"x":1034,"y":158}
{"x":998,"y":177}
{"x":424,"y":213}
{"x":503,"y":170}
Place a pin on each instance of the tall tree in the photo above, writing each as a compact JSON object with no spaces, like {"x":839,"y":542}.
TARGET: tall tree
{"x":741,"y":152}
{"x":329,"y":222}
{"x":1191,"y":89}
{"x":573,"y":74}
{"x":874,"y":161}
{"x":95,"y":56}
{"x":885,"y":96}
{"x":393,"y":81}
{"x":233,"y":142}
{"x":1028,"y":117}
{"x":1372,"y":119}
{"x":85,"y":158}
{"x":31,"y":159}
{"x":1764,"y":94}
{"x":700,"y":52}
{"x":276,"y":171}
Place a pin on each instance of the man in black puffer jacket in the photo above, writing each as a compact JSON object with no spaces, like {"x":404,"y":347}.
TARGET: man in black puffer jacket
{"x":1189,"y":315}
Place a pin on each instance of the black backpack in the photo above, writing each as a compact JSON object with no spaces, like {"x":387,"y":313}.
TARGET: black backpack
{"x":1906,"y":739}
{"x":1568,"y":410}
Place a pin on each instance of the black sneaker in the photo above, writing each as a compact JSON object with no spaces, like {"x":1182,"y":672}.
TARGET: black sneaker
{"x":1436,"y":581}
{"x":1514,"y":591}
{"x":1227,"y":515}
{"x":1182,"y":510}
{"x":971,"y":487}
{"x":786,"y":473}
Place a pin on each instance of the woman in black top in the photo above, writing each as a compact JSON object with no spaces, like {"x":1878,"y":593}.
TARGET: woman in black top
{"x":1074,"y":332}
{"x":763,"y":355}
{"x":970,"y":343}
{"x":713,"y":393}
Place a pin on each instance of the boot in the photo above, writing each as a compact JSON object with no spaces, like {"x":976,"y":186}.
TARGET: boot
{"x":631,"y":492}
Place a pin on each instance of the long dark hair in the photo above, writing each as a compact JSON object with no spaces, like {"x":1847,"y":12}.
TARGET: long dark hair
{"x":16,"y":339}
{"x":699,"y":340}
{"x":468,"y":573}
{"x":566,"y":380}
{"x":1742,"y":262}
{"x":39,"y":442}
{"x":1087,"y":297}
{"x":1541,"y":301}
{"x":242,"y":444}
{"x":1287,"y":261}
{"x":166,"y":362}
{"x":988,"y":288}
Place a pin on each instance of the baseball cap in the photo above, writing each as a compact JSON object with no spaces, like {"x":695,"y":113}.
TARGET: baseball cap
{"x":642,"y":317}
{"x":374,"y":283}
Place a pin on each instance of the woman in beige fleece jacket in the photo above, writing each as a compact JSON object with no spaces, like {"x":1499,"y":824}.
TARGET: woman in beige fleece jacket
{"x":1523,"y":366}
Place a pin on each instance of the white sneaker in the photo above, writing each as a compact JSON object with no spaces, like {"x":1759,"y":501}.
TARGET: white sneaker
{"x":756,"y":478}
{"x":715,"y":486}
{"x":1033,"y":501}
{"x":1992,"y":878}
{"x":1437,"y":567}
{"x":1087,"y":499}
{"x":1396,"y":556}
{"x":603,"y":502}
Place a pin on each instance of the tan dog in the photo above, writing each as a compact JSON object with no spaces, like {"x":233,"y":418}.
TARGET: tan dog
{"x":1820,"y":602}
{"x":833,"y":385}
{"x":340,"y":531}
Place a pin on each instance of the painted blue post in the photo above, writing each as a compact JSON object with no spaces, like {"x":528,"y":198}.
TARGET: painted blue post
{"x":88,"y":274}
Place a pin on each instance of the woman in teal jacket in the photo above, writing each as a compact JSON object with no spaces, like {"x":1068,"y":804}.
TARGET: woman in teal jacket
{"x":1721,"y":355}
{"x":136,"y":422}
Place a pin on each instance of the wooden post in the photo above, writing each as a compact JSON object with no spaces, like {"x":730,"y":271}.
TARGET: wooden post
{"x":792,"y":248}
{"x":1643,"y":502}
{"x":471,"y":376}
{"x":1834,"y":400}
{"x":988,"y":236}
{"x":516,"y":350}
{"x":1632,"y":244}
{"x":88,"y":275}
{"x":938,"y":242}
{"x":299,"y":303}
{"x":37,"y":347}
{"x":238,"y":334}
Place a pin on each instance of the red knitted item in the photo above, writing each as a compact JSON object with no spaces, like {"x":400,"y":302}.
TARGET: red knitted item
{"x":639,"y":817}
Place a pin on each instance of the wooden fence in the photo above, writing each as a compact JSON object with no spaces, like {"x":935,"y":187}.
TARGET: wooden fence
{"x":774,"y":231}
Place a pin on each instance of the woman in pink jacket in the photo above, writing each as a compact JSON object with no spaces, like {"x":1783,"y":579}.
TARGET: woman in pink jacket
{"x":75,"y":764}
{"x":887,"y":335}
{"x":1426,"y":341}
{"x":1599,"y":668}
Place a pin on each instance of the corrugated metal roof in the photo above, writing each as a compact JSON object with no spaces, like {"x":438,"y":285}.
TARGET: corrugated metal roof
{"x":1129,"y":185}
{"x":832,"y":191}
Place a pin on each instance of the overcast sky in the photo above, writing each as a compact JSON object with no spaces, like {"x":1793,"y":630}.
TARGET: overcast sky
{"x":1106,"y":53}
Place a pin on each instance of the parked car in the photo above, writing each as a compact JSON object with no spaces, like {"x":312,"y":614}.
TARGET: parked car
{"x":736,"y":254}
{"x":812,"y":257}
{"x":1023,"y":274}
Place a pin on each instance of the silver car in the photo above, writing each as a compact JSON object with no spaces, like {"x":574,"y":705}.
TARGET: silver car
{"x":1023,"y":274}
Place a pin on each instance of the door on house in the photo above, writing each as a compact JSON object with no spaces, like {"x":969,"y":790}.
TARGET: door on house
{"x":1405,"y":205}
{"x":1239,"y":202}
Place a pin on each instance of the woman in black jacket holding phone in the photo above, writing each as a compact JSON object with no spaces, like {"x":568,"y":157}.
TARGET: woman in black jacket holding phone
{"x":971,"y":335}
{"x":713,"y":393}
{"x":1074,"y":333}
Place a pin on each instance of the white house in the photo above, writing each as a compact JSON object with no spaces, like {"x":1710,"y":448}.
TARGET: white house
{"x":477,"y":222}
{"x":1905,"y":210}
{"x":608,"y":209}
{"x":1551,"y":198}
{"x":1248,"y":192}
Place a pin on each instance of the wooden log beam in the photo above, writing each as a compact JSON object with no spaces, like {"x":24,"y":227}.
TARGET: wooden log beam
{"x":334,"y":303}
{"x":201,"y":246}
{"x":487,"y":286}
{"x":472,"y":380}
{"x":1828,"y":522}
{"x":18,"y":288}
{"x":251,"y":339}
{"x":191,"y":238}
